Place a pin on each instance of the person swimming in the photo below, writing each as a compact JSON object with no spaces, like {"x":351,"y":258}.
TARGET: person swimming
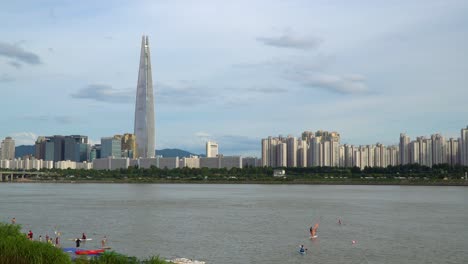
{"x":302,"y":250}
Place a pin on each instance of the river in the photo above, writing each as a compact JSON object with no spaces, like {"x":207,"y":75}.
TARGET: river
{"x":243,"y":223}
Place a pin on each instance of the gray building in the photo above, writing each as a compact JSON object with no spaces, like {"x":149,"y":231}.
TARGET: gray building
{"x":76,"y":148}
{"x":95,"y":152}
{"x":111,"y":147}
{"x":144,"y":106}
{"x":50,"y":148}
{"x":58,"y":148}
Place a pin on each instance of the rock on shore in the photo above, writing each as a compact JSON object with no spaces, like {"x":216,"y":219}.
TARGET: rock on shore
{"x":185,"y":261}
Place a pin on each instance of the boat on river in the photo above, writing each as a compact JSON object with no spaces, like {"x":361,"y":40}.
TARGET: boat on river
{"x":89,"y":251}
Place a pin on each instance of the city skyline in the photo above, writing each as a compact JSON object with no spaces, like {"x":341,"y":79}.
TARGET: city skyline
{"x":230,"y":74}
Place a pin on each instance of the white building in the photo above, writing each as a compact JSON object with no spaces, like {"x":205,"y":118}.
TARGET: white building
{"x":192,"y":162}
{"x":7,"y":149}
{"x":170,"y":163}
{"x":211,"y":163}
{"x":65,"y":164}
{"x":211,"y":149}
{"x":146,"y":163}
{"x":110,"y":163}
{"x":302,"y":149}
{"x":231,"y":162}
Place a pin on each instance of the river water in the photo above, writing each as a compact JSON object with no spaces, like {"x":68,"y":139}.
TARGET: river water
{"x":251,"y":223}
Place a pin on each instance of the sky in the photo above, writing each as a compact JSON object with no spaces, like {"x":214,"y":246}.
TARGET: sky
{"x":235,"y":71}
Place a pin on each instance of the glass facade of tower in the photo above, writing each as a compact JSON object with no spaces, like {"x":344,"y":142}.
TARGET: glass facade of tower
{"x":144,"y":106}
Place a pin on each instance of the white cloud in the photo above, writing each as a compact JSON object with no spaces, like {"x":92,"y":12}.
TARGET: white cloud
{"x":202,"y":135}
{"x":104,"y":93}
{"x":344,"y":84}
{"x":289,"y":40}
{"x":18,"y":53}
{"x":24,"y":138}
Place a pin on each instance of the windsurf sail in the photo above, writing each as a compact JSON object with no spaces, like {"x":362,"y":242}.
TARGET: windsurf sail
{"x":313,"y":231}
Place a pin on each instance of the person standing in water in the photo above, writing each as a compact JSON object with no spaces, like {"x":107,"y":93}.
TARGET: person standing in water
{"x":13,"y":221}
{"x":77,"y":241}
{"x":103,"y":242}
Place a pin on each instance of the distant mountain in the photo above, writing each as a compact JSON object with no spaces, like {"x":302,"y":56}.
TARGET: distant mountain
{"x":170,"y":153}
{"x":24,"y":150}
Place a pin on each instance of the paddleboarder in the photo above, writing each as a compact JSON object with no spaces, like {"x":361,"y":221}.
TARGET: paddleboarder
{"x":78,"y":241}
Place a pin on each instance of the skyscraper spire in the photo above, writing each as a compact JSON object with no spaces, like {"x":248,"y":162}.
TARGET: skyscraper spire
{"x":144,"y":107}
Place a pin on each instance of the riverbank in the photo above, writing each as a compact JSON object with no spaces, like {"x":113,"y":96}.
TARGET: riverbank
{"x":395,"y":182}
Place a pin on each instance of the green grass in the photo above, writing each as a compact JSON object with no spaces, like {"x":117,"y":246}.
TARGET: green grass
{"x":115,"y":258}
{"x":16,"y":248}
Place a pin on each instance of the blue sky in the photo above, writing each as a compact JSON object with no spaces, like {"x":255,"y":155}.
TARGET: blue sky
{"x":235,"y":71}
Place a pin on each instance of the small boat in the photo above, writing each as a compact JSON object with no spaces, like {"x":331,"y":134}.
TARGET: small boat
{"x":89,"y":251}
{"x":69,"y":250}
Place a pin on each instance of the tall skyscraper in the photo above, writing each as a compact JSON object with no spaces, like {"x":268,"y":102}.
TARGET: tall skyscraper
{"x":144,"y":107}
{"x":7,"y":149}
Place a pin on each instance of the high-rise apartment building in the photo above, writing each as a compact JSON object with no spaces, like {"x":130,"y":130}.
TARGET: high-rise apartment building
{"x":292,"y":151}
{"x":265,"y":153}
{"x":313,"y":156}
{"x":453,"y":152}
{"x":404,"y":149}
{"x":323,"y":148}
{"x":414,"y":152}
{"x":302,"y":148}
{"x":7,"y":149}
{"x":211,"y":149}
{"x":439,"y":149}
{"x":281,"y":155}
{"x":464,"y":146}
{"x":144,"y":108}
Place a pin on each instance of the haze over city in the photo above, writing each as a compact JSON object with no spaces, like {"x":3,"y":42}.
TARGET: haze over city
{"x":235,"y":72}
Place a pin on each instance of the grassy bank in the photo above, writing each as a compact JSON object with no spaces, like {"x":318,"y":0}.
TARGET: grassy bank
{"x":16,"y":248}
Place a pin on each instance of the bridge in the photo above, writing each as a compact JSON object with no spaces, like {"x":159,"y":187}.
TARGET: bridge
{"x":11,"y":176}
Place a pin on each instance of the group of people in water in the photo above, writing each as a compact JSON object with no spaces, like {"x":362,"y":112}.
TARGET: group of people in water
{"x":50,"y":240}
{"x":313,"y":234}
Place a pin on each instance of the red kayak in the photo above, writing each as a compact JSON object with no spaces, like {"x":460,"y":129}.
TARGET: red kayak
{"x":89,"y":252}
